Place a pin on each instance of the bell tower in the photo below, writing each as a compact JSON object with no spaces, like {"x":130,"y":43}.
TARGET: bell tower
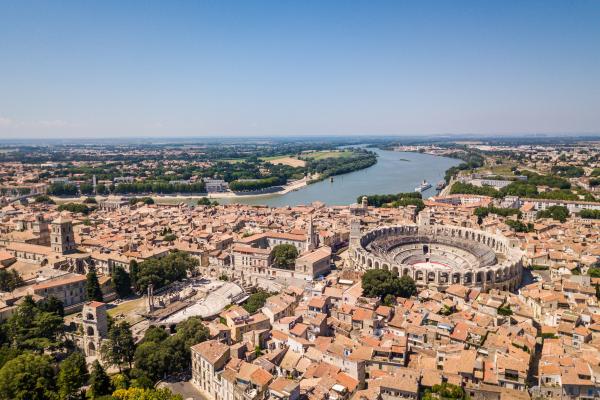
{"x":40,"y":228}
{"x":62,"y":239}
{"x":312,"y":238}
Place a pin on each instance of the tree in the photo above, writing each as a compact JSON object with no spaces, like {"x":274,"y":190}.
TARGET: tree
{"x":44,"y":199}
{"x":52,"y":305}
{"x":204,"y":201}
{"x":285,"y":255}
{"x":160,"y":272}
{"x":75,"y":208}
{"x":121,"y":281}
{"x":7,"y":353}
{"x":256,"y":301}
{"x":92,"y":286}
{"x":519,"y":226}
{"x":73,"y":374}
{"x":594,"y":272}
{"x":145,"y":394}
{"x":389,"y":300}
{"x":27,"y":377}
{"x":152,"y":359}
{"x":558,"y":213}
{"x":192,"y":331}
{"x":155,"y":334}
{"x":446,"y":391}
{"x":9,"y":280}
{"x":30,"y":328}
{"x":381,"y":282}
{"x":133,"y":273}
{"x":119,"y":347}
{"x":160,"y":355}
{"x":169,"y":237}
{"x":99,"y":381}
{"x":407,"y":286}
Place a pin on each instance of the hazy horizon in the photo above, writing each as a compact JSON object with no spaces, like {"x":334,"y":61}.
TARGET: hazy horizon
{"x":282,"y":69}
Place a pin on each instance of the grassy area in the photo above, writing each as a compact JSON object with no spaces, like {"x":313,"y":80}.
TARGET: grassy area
{"x":320,"y":155}
{"x":285,"y":160}
{"x":498,"y":169}
{"x":129,"y":309}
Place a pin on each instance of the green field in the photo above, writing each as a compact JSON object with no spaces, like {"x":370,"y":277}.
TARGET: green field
{"x":320,"y":155}
{"x":271,"y":158}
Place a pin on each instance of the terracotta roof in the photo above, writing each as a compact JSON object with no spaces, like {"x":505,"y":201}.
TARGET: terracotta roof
{"x":211,"y":350}
{"x":59,"y":282}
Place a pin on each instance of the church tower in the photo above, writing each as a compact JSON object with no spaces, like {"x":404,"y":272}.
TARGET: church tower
{"x":40,"y":229}
{"x":62,"y":239}
{"x":312,"y":239}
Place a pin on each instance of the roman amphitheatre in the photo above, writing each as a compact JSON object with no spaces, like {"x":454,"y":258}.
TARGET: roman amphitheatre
{"x":438,"y":256}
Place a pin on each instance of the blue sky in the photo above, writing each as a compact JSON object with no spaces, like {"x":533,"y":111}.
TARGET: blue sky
{"x":234,"y":68}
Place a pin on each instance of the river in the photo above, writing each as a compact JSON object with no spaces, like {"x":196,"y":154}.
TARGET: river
{"x":394,"y":172}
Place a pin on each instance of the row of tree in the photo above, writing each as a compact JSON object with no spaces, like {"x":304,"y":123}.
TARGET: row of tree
{"x":257,"y":184}
{"x":159,"y":187}
{"x":592,"y":214}
{"x":396,"y":200}
{"x":558,"y":213}
{"x":378,"y":200}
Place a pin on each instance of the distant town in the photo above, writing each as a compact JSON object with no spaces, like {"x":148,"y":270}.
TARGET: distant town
{"x":121,"y":271}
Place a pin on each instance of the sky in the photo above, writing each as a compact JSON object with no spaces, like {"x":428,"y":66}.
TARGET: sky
{"x":104,"y":69}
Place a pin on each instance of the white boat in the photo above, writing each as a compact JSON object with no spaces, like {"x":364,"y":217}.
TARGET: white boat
{"x":423,"y":186}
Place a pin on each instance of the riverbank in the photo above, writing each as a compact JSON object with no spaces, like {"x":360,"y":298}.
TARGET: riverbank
{"x":165,"y":198}
{"x":290,"y":187}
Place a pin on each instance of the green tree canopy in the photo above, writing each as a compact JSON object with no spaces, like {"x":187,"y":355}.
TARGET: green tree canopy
{"x":119,"y":347}
{"x":27,"y":377}
{"x":160,"y":355}
{"x":75,"y":208}
{"x":445,"y":391}
{"x":155,"y":334}
{"x":9,"y":280}
{"x":256,"y":301}
{"x":121,"y":282}
{"x":160,"y":272}
{"x":134,"y":269}
{"x":92,"y":286}
{"x":72,"y":375}
{"x":284,"y":255}
{"x":558,"y":213}
{"x":99,"y":381}
{"x":30,"y":328}
{"x":381,"y":282}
